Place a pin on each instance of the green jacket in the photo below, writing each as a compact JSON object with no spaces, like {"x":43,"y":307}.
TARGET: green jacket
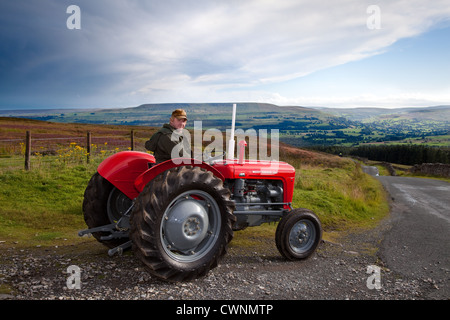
{"x":161,"y":144}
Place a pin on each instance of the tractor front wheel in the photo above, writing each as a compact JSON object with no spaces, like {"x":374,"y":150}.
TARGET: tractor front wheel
{"x":182,"y":223}
{"x":298,"y":234}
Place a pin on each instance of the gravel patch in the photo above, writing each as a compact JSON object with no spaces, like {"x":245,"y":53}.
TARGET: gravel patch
{"x":336,"y":271}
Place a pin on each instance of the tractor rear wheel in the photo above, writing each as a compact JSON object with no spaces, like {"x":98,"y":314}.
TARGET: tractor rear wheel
{"x":181,"y":224}
{"x":298,"y":234}
{"x":104,"y":204}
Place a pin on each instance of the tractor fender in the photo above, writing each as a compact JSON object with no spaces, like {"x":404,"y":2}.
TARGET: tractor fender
{"x":142,"y":180}
{"x":121,"y":169}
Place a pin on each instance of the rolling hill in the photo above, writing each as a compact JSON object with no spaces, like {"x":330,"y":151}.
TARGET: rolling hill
{"x":299,"y":126}
{"x":367,"y":115}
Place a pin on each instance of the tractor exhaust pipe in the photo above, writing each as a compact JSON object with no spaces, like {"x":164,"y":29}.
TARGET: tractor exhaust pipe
{"x":230,"y":153}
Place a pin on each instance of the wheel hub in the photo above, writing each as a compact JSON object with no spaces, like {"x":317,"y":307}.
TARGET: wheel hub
{"x":186,"y":225}
{"x":191,"y":226}
{"x":302,"y":233}
{"x":301,"y":237}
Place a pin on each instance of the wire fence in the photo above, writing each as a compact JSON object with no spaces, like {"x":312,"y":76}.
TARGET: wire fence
{"x":37,"y":150}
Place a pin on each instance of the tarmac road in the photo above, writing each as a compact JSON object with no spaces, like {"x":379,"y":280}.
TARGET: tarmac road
{"x":418,"y":242}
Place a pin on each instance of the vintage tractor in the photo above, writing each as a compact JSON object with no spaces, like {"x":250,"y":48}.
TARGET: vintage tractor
{"x":179,"y":216}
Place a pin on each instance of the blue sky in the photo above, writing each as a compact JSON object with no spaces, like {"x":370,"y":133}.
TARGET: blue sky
{"x":306,"y":53}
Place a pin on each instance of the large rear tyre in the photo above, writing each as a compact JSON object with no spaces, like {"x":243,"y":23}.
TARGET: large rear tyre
{"x":298,"y":234}
{"x":104,"y":204}
{"x":181,"y":224}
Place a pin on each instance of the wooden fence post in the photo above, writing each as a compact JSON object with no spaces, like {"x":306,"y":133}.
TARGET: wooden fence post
{"x":88,"y":146}
{"x":28,"y":151}
{"x":132,"y":139}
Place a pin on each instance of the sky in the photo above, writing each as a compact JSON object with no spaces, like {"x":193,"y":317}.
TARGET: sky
{"x":328,"y":53}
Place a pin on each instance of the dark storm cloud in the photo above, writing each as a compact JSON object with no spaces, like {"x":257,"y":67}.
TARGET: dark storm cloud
{"x":130,"y":52}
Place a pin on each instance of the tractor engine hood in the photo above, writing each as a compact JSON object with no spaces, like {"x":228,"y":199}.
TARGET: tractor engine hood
{"x":255,"y":169}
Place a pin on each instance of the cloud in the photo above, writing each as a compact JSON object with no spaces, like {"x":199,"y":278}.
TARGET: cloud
{"x":400,"y":100}
{"x":160,"y":51}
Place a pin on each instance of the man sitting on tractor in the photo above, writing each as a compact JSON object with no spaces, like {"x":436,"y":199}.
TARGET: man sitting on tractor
{"x":161,"y":142}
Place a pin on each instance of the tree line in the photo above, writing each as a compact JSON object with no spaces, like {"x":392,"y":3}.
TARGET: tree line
{"x":401,"y":154}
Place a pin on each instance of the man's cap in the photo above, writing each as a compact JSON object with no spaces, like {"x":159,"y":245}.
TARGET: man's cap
{"x":179,"y":114}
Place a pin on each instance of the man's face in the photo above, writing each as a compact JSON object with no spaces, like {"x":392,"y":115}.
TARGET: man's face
{"x":178,"y":123}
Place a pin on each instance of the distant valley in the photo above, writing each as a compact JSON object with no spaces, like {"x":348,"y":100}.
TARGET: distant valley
{"x":298,"y":126}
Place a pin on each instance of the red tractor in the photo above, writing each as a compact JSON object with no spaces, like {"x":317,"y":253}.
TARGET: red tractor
{"x":179,"y":216}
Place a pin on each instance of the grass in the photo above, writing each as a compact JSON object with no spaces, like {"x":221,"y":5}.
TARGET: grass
{"x":343,"y":198}
{"x":43,"y":206}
